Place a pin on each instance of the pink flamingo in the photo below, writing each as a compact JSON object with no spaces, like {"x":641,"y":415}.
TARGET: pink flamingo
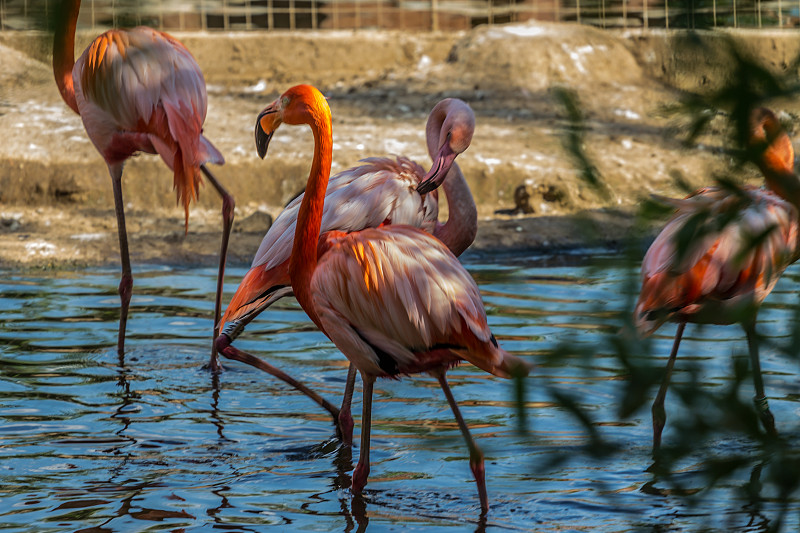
{"x":140,"y":90}
{"x":724,"y":274}
{"x":380,"y":191}
{"x":393,"y":299}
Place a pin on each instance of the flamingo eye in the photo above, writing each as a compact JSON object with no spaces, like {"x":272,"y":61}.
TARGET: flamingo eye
{"x":285,"y":101}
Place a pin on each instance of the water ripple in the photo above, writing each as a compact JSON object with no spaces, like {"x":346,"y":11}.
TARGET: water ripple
{"x":93,"y":442}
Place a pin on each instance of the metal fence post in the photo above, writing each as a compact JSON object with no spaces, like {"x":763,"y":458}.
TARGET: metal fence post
{"x":646,"y":22}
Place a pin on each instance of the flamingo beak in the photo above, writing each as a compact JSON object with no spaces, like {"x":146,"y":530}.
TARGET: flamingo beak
{"x":266,"y":124}
{"x":438,"y":172}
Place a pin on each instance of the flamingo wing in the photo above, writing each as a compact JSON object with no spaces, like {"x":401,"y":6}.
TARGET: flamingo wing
{"x":396,"y":300}
{"x":381,"y":190}
{"x":142,"y":90}
{"x":697,"y":260}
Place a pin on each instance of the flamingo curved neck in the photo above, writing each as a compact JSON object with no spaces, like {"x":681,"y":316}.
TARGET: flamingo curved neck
{"x":777,"y":166}
{"x":461,"y":227}
{"x":309,"y":219}
{"x":64,"y":51}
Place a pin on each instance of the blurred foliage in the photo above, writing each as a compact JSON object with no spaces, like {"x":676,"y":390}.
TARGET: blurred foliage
{"x":772,"y":465}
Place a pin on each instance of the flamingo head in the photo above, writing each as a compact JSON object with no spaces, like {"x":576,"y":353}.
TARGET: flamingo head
{"x":774,"y":154}
{"x":454,"y":137}
{"x":302,"y":104}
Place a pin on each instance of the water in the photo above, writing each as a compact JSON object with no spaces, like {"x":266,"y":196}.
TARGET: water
{"x":158,"y":444}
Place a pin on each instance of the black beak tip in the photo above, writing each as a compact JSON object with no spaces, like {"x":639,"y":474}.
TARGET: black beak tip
{"x":262,"y":141}
{"x":426,"y":186}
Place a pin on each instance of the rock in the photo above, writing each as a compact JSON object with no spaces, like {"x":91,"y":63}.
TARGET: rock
{"x":258,"y":222}
{"x":10,"y":224}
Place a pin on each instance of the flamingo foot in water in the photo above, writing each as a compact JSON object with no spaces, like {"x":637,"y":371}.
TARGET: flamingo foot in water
{"x":360,"y":476}
{"x":479,"y":472}
{"x":659,"y":421}
{"x":125,"y":290}
{"x":762,"y":406}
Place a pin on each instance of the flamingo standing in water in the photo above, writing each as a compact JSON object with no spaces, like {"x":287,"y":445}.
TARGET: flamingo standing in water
{"x":393,"y":299}
{"x":380,"y":191}
{"x":140,"y":90}
{"x":727,"y":270}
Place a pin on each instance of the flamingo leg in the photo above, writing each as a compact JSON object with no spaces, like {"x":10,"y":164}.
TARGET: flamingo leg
{"x":659,"y":413}
{"x":228,"y":205}
{"x":760,"y":400}
{"x":126,"y":282}
{"x":475,"y":453}
{"x":224,"y":347}
{"x":361,"y":472}
{"x":345,"y":416}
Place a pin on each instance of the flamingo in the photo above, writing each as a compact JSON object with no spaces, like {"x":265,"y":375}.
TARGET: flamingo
{"x":393,"y":299}
{"x":141,"y":90}
{"x":379,"y":191}
{"x":727,"y":270}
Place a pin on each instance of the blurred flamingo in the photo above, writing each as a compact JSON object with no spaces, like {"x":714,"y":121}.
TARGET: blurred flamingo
{"x":393,"y":299}
{"x":140,"y":90}
{"x":721,"y":254}
{"x":380,"y":191}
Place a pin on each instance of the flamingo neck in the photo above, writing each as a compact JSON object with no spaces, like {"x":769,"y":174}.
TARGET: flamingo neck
{"x":459,"y":231}
{"x":64,"y":51}
{"x":303,"y":261}
{"x":461,"y":227}
{"x":777,"y":166}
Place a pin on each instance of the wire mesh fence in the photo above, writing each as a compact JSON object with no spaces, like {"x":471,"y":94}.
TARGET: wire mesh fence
{"x":420,"y":15}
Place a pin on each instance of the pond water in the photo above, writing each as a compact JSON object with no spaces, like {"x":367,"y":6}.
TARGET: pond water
{"x":155,"y":443}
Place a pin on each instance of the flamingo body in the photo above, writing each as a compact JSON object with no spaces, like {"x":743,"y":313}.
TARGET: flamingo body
{"x":395,"y":301}
{"x":723,"y":270}
{"x":141,"y":90}
{"x":722,"y":253}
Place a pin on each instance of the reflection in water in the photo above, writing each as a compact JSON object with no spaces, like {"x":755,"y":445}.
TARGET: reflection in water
{"x":90,"y":442}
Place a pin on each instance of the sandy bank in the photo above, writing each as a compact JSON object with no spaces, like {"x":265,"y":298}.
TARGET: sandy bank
{"x":56,"y":207}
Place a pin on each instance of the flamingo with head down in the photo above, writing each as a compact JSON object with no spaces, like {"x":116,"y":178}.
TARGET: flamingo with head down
{"x":393,"y":299}
{"x":380,"y":191}
{"x":140,"y":90}
{"x":724,"y":273}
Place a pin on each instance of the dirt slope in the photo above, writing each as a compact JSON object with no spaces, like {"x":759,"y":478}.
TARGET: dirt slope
{"x":56,"y":207}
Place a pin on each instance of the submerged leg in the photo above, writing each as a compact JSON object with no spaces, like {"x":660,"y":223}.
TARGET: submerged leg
{"x":475,"y":453}
{"x":224,"y":347}
{"x":228,"y":205}
{"x":361,"y":472}
{"x":760,"y":400}
{"x":345,"y":415}
{"x":659,"y":413}
{"x":126,"y":281}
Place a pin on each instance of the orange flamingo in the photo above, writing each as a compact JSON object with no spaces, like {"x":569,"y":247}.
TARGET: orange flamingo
{"x":740,"y":245}
{"x":393,"y":299}
{"x":140,"y":90}
{"x":378,"y":192}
